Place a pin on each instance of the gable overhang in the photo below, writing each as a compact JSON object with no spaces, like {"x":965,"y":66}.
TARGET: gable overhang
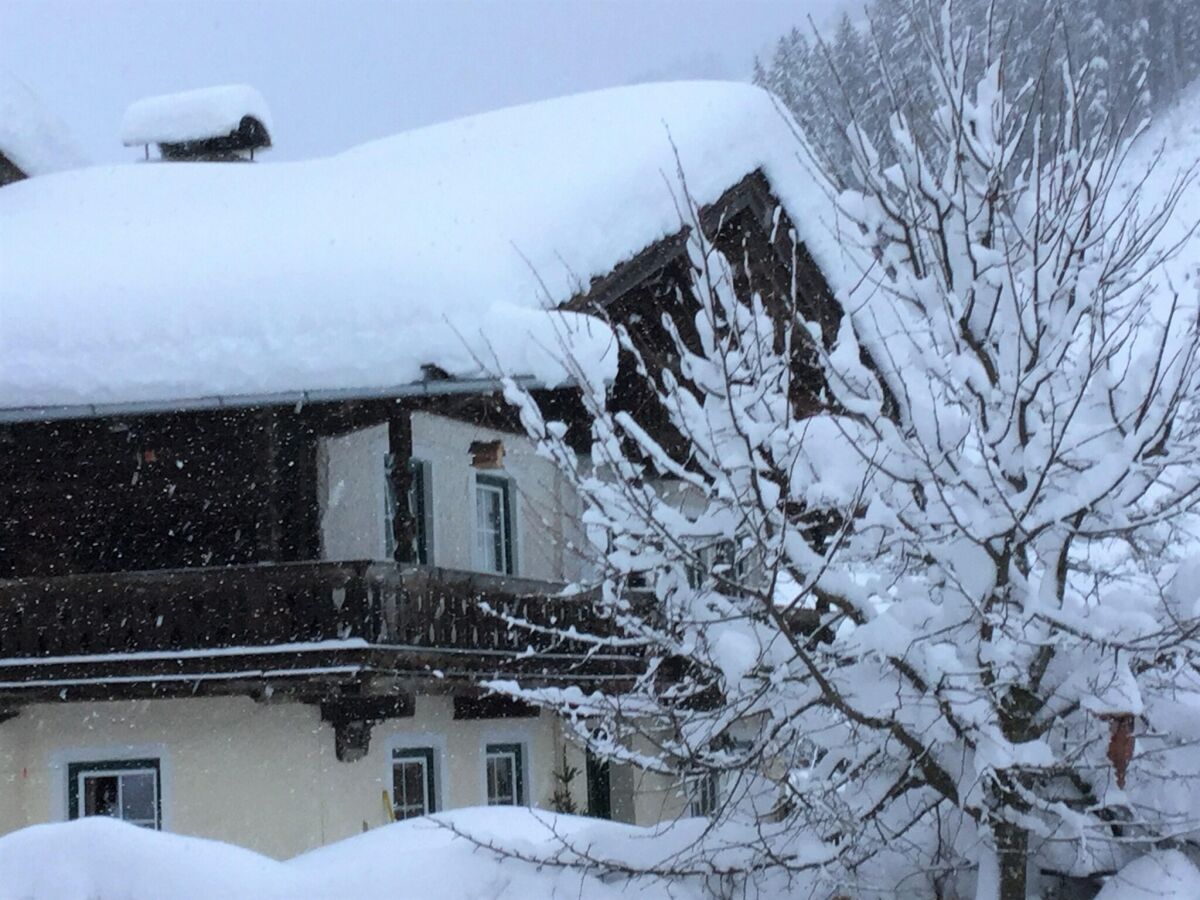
{"x":752,"y":194}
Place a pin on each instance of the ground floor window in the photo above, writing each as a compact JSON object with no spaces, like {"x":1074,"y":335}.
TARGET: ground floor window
{"x":703,"y":793}
{"x":127,"y":789}
{"x":505,"y":775}
{"x":412,"y":782}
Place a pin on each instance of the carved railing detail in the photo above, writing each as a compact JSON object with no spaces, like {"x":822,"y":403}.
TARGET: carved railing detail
{"x":272,"y":604}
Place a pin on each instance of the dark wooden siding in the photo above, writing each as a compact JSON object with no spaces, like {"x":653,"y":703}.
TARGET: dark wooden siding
{"x":116,"y":495}
{"x":188,"y":489}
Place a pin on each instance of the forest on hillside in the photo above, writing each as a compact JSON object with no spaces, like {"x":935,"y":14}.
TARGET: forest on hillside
{"x":1131,"y":58}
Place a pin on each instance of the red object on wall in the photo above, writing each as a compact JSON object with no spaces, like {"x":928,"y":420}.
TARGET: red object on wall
{"x":1121,"y":743}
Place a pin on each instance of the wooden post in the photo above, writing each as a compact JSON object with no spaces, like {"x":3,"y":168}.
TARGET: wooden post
{"x":404,"y":528}
{"x":269,"y":531}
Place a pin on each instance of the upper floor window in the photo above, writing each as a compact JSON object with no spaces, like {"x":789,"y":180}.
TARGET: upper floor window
{"x":720,"y":561}
{"x":493,"y":525}
{"x":127,"y":789}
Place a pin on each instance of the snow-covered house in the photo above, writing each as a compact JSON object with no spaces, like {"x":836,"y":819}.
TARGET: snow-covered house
{"x":257,"y":478}
{"x":32,"y":140}
{"x":216,"y":124}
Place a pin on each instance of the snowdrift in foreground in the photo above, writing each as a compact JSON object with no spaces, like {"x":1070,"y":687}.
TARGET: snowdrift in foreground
{"x":103,"y":859}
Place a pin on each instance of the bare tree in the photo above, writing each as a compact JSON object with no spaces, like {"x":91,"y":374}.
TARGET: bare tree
{"x":914,"y":633}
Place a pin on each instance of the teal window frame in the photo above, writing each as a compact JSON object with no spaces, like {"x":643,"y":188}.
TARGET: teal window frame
{"x":508,"y":751}
{"x":426,"y":756}
{"x":505,"y":549}
{"x":117,"y":767}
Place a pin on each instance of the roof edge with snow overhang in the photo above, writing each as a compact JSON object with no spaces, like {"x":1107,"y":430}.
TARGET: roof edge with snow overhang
{"x":456,"y":246}
{"x":430,"y":388}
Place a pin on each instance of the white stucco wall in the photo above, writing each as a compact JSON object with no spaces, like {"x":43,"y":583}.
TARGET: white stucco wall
{"x":547,"y":511}
{"x":262,"y":775}
{"x":350,"y":494}
{"x":351,"y":497}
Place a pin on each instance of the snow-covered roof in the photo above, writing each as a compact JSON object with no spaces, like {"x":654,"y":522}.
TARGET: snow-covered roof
{"x":35,"y":141}
{"x":192,"y":115}
{"x":443,"y":246}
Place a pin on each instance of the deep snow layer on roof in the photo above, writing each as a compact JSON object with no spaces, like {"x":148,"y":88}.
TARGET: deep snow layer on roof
{"x":192,"y":115}
{"x":165,"y":281}
{"x":34,"y":140}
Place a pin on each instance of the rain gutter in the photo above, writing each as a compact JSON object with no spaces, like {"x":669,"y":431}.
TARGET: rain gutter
{"x":298,"y":399}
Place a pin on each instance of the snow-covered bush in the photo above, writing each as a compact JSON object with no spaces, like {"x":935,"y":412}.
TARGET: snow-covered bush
{"x":924,"y":637}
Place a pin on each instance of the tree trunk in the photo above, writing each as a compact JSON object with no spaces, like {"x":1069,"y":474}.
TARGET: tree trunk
{"x":1012,"y":851}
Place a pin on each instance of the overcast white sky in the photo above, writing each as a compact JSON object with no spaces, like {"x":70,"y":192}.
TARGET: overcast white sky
{"x":339,"y":72}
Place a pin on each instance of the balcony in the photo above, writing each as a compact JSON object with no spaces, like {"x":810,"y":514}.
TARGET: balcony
{"x":307,"y":623}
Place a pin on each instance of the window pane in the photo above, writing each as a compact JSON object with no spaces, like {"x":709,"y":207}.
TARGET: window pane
{"x":411,"y":783}
{"x":137,"y":797}
{"x":100,"y":795}
{"x":504,"y":775}
{"x":414,"y":783}
{"x":489,"y":516}
{"x":500,"y":781}
{"x":498,"y":538}
{"x":704,"y":794}
{"x":124,"y":789}
{"x":409,"y":790}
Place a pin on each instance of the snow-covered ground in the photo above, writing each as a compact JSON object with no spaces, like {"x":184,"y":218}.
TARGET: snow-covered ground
{"x":421,"y":859}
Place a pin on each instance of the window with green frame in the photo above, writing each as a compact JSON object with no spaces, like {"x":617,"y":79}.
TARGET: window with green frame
{"x":413,"y":782}
{"x":494,"y":525}
{"x":126,"y":789}
{"x":505,"y":768}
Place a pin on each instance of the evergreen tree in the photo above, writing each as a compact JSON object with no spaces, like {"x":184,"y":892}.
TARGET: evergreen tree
{"x":1131,"y":56}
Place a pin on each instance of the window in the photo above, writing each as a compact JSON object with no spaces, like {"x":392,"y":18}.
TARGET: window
{"x":412,"y":782}
{"x":493,"y":525}
{"x":505,"y":775}
{"x":420,"y":510}
{"x":702,"y":793}
{"x":599,"y":786}
{"x":129,"y":789}
{"x":719,"y":559}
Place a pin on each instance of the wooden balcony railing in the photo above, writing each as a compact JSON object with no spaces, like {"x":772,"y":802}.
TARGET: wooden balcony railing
{"x":268,"y":605}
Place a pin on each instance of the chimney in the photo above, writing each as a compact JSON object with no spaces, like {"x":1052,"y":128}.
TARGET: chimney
{"x":217,"y":124}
